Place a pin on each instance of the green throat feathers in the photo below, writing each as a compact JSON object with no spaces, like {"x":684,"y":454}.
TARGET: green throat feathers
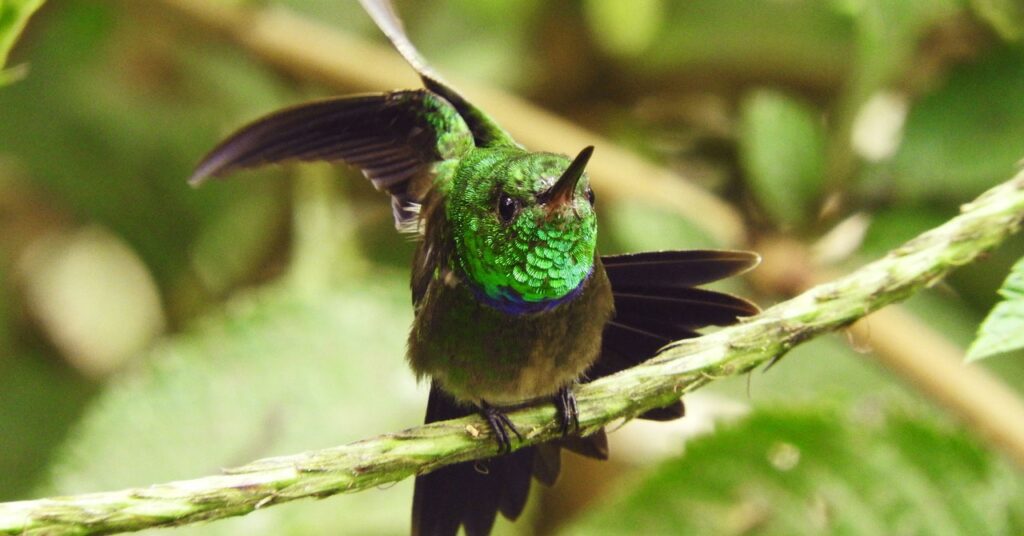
{"x":522,"y":247}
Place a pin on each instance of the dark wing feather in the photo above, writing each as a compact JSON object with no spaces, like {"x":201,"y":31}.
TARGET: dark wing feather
{"x":676,"y":269}
{"x":433,"y":253}
{"x":685,"y":307}
{"x":394,"y":138}
{"x":621,"y":345}
{"x":656,"y":303}
{"x":485,"y":130}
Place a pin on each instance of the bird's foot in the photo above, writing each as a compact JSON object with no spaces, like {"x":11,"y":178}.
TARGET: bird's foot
{"x":568,"y":411}
{"x":501,"y":425}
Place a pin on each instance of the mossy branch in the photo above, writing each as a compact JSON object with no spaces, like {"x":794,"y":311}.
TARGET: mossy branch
{"x":680,"y":368}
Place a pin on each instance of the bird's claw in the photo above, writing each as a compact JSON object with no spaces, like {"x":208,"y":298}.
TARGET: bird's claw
{"x":501,"y":425}
{"x":568,"y":411}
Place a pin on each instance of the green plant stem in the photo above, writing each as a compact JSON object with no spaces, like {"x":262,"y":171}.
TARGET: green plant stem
{"x":680,"y":368}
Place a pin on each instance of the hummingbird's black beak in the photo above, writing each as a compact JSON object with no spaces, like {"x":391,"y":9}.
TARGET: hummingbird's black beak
{"x":562,"y":192}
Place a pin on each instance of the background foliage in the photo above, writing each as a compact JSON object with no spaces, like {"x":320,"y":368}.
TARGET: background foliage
{"x":149,"y":331}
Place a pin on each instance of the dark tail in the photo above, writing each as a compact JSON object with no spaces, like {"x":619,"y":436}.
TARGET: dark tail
{"x":471,"y":493}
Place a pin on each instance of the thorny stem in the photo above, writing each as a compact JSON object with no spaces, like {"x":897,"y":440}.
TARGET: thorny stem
{"x":680,"y":368}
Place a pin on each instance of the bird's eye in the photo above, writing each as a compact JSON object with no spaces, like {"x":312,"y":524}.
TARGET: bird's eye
{"x":508,"y":207}
{"x":590,"y":196}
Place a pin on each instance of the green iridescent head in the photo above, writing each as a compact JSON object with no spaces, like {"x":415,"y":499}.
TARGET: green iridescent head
{"x":523,"y":223}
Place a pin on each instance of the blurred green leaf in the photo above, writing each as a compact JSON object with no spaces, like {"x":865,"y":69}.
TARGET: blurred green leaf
{"x":40,"y":400}
{"x":629,"y":227}
{"x":237,"y":239}
{"x":1006,"y":16}
{"x":824,"y":370}
{"x":798,"y":39}
{"x":624,"y":28}
{"x":887,"y":37}
{"x":817,"y":472}
{"x":1003,"y":328}
{"x":111,"y":130}
{"x":14,"y":15}
{"x":960,"y":139}
{"x":782,"y":145}
{"x":279,"y":371}
{"x":493,"y":41}
{"x":891,"y":226}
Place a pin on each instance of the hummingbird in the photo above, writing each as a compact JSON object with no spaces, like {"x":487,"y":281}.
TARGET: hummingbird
{"x":512,"y":303}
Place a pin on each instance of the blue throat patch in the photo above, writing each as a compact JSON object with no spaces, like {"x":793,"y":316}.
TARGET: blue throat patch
{"x":510,"y":302}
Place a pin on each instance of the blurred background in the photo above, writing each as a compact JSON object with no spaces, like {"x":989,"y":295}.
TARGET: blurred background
{"x":150,"y":331}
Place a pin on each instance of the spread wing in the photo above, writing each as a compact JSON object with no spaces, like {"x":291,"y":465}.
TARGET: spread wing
{"x":657,"y":302}
{"x":485,"y":130}
{"x":394,"y":138}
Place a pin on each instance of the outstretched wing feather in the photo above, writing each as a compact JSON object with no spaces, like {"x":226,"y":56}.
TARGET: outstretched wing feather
{"x":676,"y":269}
{"x":485,"y":130}
{"x":391,"y":137}
{"x":656,"y":303}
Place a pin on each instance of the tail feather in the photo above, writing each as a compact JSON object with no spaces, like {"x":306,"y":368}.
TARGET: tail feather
{"x":518,"y":469}
{"x":592,"y":446}
{"x":547,"y":464}
{"x":470,"y":494}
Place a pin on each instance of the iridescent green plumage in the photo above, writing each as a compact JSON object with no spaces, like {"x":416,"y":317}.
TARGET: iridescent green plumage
{"x":512,"y":302}
{"x":538,"y":256}
{"x":511,"y":306}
